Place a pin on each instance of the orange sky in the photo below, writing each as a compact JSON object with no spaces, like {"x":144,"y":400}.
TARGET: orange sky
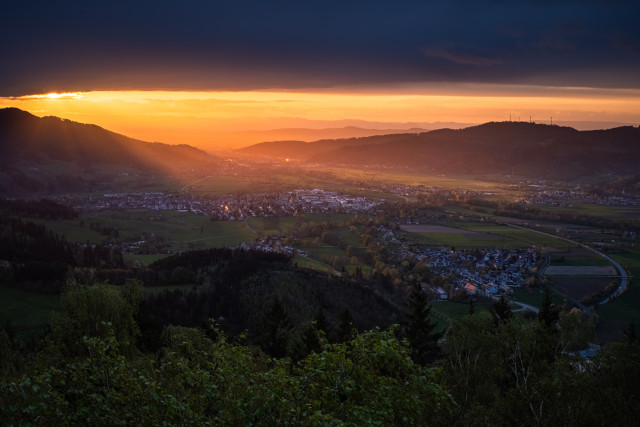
{"x":201,"y":118}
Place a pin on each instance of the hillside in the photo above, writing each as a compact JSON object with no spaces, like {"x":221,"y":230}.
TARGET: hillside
{"x":53,"y":154}
{"x":518,"y":148}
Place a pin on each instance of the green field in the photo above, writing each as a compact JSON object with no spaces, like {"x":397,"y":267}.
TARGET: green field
{"x":534,"y":296}
{"x":29,"y":312}
{"x":451,"y":310}
{"x":289,"y":224}
{"x":184,"y":230}
{"x":144,"y":260}
{"x":306,"y":262}
{"x":73,"y":231}
{"x":627,"y":306}
{"x":593,"y":209}
{"x":477,"y":235}
{"x":578,"y":259}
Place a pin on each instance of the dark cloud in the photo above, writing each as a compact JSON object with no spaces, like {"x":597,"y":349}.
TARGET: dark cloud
{"x":259,"y":44}
{"x":454,"y":54}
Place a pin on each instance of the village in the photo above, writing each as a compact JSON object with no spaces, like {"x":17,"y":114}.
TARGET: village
{"x":234,"y":207}
{"x":487,"y":272}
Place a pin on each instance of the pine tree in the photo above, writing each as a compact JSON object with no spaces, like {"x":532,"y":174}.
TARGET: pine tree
{"x":276,"y":328}
{"x":418,"y":327}
{"x":549,"y":313}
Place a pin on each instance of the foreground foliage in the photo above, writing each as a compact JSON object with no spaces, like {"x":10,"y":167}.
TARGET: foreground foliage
{"x":196,"y":380}
{"x":89,"y":371}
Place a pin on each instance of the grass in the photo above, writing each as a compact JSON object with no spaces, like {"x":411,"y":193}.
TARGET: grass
{"x":73,"y":231}
{"x":184,"y":229}
{"x":534,"y":296}
{"x":155,"y":289}
{"x":626,"y":307}
{"x":142,"y":259}
{"x":476,"y":235}
{"x":593,"y":209}
{"x":28,"y":312}
{"x":451,"y":310}
{"x":525,"y":238}
{"x":306,"y":262}
{"x":578,"y":260}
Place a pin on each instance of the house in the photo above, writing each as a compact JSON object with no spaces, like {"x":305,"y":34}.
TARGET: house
{"x":470,"y":289}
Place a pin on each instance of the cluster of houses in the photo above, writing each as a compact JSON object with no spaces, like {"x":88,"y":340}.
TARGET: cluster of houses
{"x":487,"y":272}
{"x":566,"y":198}
{"x":229,"y":208}
{"x":271,"y":244}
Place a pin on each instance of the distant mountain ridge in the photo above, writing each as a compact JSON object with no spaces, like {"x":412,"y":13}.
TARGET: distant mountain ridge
{"x":518,"y":148}
{"x":245,"y":138}
{"x":51,"y":149}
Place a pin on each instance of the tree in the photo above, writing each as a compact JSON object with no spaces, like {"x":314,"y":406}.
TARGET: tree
{"x":276,"y":330}
{"x":549,"y":313}
{"x":89,"y":309}
{"x":501,"y":312}
{"x":418,"y":327}
{"x":321,"y":322}
{"x":346,"y":328}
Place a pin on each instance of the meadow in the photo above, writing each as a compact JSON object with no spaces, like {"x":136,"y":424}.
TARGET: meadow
{"x":471,"y":235}
{"x":625,"y":308}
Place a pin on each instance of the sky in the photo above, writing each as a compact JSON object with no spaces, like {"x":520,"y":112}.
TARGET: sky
{"x":185,"y":72}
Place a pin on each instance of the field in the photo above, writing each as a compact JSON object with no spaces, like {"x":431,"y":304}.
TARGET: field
{"x":478,"y":235}
{"x":381,"y":176}
{"x":534,"y":296}
{"x":73,"y":231}
{"x":582,"y":270}
{"x":577,"y":257}
{"x":626,"y":307}
{"x":183,"y":230}
{"x":577,"y":287}
{"x":289,"y":224}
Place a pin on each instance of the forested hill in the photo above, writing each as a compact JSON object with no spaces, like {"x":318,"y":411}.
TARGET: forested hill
{"x":518,"y":148}
{"x":36,"y":151}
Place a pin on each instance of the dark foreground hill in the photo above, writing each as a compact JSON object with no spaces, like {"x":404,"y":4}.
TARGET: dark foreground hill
{"x":53,"y":154}
{"x":513,"y":148}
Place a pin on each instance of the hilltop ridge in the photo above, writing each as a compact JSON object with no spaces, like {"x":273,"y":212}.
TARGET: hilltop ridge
{"x":519,"y":148}
{"x":51,"y":153}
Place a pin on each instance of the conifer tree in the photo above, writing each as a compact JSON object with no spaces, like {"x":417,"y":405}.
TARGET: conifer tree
{"x":549,"y":313}
{"x":418,"y":328}
{"x":276,"y":326}
{"x":346,"y":329}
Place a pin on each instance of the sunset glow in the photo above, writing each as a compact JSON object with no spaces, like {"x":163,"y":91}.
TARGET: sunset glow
{"x":198,"y":118}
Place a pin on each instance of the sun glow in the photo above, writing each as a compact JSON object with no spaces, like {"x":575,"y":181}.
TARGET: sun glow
{"x":59,"y":96}
{"x":213,"y":120}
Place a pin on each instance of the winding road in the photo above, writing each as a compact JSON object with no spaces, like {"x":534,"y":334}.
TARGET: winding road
{"x":622,"y":273}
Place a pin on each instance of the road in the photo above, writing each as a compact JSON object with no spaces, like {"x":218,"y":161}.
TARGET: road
{"x":193,"y":183}
{"x":622,"y":273}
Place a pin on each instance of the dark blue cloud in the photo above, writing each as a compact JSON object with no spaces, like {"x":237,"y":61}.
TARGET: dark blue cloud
{"x":265,"y":44}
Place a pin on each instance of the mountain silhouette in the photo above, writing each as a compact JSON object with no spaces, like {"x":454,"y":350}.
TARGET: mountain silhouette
{"x":514,"y":148}
{"x":50,"y":152}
